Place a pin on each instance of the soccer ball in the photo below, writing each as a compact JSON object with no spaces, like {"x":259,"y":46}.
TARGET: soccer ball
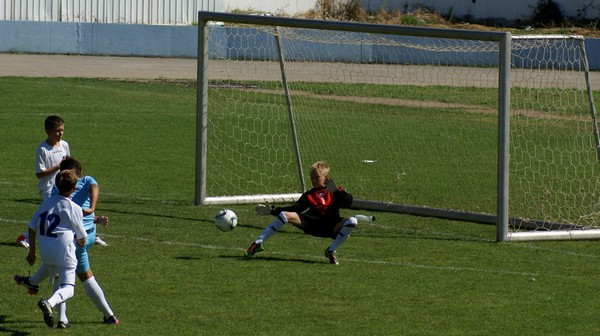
{"x":225,"y":220}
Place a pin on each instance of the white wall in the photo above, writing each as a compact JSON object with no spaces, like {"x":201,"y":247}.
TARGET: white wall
{"x":108,"y":11}
{"x":139,"y":11}
{"x":289,"y":7}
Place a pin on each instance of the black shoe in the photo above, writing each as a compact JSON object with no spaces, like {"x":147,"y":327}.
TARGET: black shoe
{"x":47,"y":310}
{"x":62,"y":325}
{"x":24,"y":281}
{"x":253,"y":249}
{"x":111,"y":320}
{"x":332,"y":256}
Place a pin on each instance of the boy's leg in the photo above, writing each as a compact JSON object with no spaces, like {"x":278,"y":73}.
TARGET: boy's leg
{"x":96,"y":294}
{"x":40,"y":275}
{"x":271,"y":229}
{"x":347,"y":227}
{"x":61,"y":308}
{"x":65,"y":286}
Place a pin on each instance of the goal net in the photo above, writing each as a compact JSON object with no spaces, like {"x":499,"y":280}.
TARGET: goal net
{"x":430,"y":122}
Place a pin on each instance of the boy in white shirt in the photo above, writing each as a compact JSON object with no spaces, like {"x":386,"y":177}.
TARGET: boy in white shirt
{"x":48,"y":156}
{"x":57,"y":224}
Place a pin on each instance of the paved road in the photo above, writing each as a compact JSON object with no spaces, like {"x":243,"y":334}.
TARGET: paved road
{"x":29,"y":65}
{"x":33,"y":65}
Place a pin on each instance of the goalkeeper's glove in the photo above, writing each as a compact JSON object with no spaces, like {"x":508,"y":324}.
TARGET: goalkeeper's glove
{"x":331,"y":186}
{"x":263,"y":210}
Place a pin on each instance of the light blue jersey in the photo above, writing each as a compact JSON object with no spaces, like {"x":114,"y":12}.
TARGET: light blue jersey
{"x":81,"y":197}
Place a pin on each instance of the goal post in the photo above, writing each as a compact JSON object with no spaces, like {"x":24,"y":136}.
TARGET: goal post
{"x":412,"y":120}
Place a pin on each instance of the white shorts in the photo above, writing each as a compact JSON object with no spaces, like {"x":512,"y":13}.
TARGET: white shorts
{"x":64,"y":276}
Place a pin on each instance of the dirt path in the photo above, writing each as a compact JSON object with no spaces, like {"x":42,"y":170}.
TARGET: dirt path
{"x":34,"y":65}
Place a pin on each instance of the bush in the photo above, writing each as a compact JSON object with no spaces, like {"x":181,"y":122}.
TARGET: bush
{"x":546,"y":13}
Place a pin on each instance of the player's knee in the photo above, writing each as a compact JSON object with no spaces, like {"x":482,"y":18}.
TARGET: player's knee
{"x":351,"y":222}
{"x":67,"y":291}
{"x":282,"y":217}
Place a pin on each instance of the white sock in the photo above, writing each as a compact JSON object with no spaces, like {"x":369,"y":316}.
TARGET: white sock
{"x":95,"y":293}
{"x":61,"y":307}
{"x":349,"y":226}
{"x":61,"y":295}
{"x":272,"y":228}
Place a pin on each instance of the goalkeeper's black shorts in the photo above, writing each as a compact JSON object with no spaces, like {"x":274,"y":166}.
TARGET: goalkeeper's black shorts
{"x":319,"y":227}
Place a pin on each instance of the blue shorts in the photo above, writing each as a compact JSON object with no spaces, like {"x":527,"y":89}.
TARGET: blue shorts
{"x":81,"y":253}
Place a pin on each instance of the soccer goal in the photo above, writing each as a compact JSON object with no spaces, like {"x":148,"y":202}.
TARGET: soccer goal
{"x":424,"y":121}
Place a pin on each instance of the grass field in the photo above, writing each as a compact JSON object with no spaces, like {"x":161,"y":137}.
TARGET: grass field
{"x":169,"y":271}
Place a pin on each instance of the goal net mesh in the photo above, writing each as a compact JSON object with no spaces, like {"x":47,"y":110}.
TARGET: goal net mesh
{"x":401,"y":120}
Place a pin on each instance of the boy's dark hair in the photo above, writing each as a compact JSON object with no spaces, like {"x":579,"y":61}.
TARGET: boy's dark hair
{"x":65,"y":181}
{"x":52,"y":122}
{"x":70,"y":163}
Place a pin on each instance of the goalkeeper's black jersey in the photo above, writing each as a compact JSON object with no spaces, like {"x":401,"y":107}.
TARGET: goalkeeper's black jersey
{"x":320,"y":203}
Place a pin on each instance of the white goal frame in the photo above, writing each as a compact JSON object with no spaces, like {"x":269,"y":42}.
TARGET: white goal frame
{"x":504,"y":41}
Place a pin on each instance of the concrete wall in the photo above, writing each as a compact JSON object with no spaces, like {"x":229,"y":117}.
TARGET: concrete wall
{"x":98,"y":39}
{"x":162,"y":41}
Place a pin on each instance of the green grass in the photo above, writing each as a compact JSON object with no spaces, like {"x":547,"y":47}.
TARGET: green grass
{"x":168,"y":270}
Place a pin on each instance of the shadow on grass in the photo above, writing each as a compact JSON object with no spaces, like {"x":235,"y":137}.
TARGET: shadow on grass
{"x":4,"y":328}
{"x":36,"y":201}
{"x":255,"y":259}
{"x":12,"y":244}
{"x":108,"y":211}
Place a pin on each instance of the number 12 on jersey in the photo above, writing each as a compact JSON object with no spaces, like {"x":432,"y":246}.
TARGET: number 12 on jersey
{"x":48,"y":223}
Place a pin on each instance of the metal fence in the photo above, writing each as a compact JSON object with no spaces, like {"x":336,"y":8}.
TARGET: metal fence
{"x":108,"y":11}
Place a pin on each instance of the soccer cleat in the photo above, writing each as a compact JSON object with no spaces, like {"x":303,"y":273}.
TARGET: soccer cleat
{"x":253,"y":249}
{"x":62,"y":325}
{"x":332,"y":256}
{"x":100,"y":242}
{"x":111,"y":320}
{"x":22,"y":241}
{"x":24,"y":281}
{"x":47,"y":310}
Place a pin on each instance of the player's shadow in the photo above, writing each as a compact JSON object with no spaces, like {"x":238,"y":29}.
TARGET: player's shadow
{"x":12,"y":244}
{"x":264,"y":258}
{"x":36,"y":201}
{"x":5,"y":327}
{"x":155,"y":215}
{"x":253,"y":259}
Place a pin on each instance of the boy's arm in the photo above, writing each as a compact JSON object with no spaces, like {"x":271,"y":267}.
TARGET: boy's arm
{"x":77,"y":224}
{"x":94,"y":194}
{"x":48,"y":172}
{"x":32,"y":241}
{"x":80,"y":241}
{"x":267,"y":209}
{"x":344,"y":197}
{"x":298,"y":207}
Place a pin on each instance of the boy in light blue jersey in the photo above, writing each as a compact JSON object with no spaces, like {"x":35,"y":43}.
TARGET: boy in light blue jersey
{"x":86,"y":195}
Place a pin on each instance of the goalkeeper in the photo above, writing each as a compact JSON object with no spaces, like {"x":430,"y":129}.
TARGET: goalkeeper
{"x":317,"y":213}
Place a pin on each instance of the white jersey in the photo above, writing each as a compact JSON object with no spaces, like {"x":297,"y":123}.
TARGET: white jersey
{"x":47,"y":156}
{"x":57,"y":222}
